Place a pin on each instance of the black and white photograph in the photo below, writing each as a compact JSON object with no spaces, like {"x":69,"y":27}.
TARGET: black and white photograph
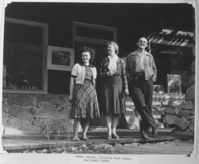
{"x":174,"y":84}
{"x":99,"y":81}
{"x":60,"y":58}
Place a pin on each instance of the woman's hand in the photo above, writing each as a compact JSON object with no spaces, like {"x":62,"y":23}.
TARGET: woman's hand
{"x":126,"y":92}
{"x":110,"y":73}
{"x":70,"y":99}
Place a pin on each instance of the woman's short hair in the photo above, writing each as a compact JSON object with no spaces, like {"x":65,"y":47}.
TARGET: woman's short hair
{"x":115,"y":46}
{"x":87,"y":49}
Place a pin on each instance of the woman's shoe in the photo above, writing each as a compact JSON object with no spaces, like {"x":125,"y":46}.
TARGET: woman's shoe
{"x":144,"y":135}
{"x":109,"y":137}
{"x":75,"y":139}
{"x":85,"y":138}
{"x":115,"y":136}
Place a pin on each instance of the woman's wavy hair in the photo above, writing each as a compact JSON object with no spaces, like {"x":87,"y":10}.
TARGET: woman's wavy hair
{"x":86,"y":49}
{"x":115,"y":46}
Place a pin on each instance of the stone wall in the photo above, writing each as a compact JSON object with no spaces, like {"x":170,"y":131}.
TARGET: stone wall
{"x":42,"y":114}
{"x":35,"y":114}
{"x":181,"y":117}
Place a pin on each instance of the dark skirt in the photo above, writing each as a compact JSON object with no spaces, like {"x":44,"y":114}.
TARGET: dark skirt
{"x":85,"y":102}
{"x":113,"y":97}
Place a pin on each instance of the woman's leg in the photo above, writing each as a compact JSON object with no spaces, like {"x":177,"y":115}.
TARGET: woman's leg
{"x":109,"y":124}
{"x":76,"y":126}
{"x":115,"y":123}
{"x":85,"y":124}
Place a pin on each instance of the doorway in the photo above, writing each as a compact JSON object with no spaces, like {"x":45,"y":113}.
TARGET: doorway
{"x":89,"y":38}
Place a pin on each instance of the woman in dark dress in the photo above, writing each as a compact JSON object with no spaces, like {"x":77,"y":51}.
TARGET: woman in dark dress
{"x":83,"y":94}
{"x":114,"y":88}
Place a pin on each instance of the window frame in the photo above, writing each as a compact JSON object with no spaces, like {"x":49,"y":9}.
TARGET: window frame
{"x":44,"y":56}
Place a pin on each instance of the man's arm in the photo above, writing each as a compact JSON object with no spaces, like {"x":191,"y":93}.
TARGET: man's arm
{"x":128,"y":68}
{"x":154,"y":69}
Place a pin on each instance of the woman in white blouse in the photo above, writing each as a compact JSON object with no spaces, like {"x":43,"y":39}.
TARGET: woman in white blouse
{"x":82,"y":93}
{"x":114,"y":88}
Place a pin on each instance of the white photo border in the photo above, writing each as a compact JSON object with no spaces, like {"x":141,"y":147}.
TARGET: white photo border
{"x":136,"y":159}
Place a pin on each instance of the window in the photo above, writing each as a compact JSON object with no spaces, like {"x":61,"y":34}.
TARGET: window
{"x":24,"y":62}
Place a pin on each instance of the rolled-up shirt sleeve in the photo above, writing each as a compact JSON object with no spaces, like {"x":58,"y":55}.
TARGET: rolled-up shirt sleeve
{"x":154,"y":70}
{"x":127,"y":68}
{"x":124,"y":74}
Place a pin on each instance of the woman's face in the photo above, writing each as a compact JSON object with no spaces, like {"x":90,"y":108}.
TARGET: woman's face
{"x":110,"y":49}
{"x":86,"y":57}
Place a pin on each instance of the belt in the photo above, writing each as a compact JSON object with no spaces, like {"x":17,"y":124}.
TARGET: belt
{"x":137,"y":73}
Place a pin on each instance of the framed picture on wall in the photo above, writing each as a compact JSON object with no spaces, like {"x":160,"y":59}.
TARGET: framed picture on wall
{"x":60,"y":58}
{"x":174,"y":84}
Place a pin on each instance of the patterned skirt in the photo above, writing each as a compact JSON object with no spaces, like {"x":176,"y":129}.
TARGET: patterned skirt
{"x":113,"y":97}
{"x":85,"y":102}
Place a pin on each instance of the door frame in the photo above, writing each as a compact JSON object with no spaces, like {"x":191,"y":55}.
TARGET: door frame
{"x":92,"y":40}
{"x":98,"y":121}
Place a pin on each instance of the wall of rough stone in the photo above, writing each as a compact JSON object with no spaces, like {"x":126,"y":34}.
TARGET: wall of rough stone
{"x":182,"y":117}
{"x":45,"y":113}
{"x":35,"y":114}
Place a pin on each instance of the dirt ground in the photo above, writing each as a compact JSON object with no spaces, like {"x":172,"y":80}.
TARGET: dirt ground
{"x":176,"y":147}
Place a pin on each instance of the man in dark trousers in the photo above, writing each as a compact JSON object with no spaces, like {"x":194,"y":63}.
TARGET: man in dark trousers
{"x":141,"y":73}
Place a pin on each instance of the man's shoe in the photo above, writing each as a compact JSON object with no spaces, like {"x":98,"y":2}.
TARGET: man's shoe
{"x":144,"y":135}
{"x":154,"y":131}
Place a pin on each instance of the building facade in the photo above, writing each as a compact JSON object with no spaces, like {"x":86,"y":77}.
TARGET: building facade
{"x":41,"y":41}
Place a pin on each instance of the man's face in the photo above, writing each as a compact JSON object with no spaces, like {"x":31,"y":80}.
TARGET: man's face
{"x":142,"y":43}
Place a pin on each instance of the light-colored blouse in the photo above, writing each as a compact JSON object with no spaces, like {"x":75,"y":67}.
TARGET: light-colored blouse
{"x":79,"y":72}
{"x":113,"y":63}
